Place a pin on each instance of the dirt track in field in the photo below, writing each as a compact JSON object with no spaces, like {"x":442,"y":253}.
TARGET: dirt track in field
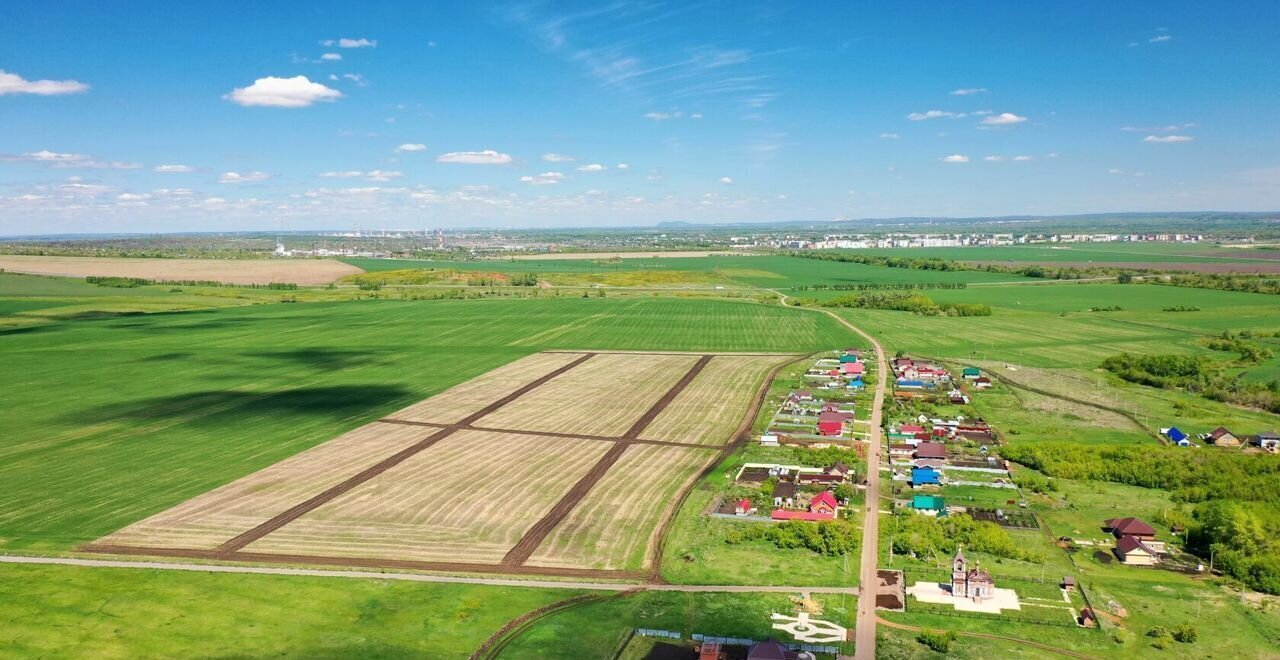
{"x":230,"y":271}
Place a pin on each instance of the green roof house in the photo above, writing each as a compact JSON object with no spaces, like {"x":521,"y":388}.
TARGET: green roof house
{"x":930,"y":504}
{"x":971,"y":372}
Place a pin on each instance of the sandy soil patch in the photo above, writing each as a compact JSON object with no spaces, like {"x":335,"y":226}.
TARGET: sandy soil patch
{"x":712,"y":406}
{"x":603,"y":396}
{"x":615,"y":526}
{"x":206,"y":521}
{"x":468,"y":498}
{"x":231,"y":271}
{"x":467,"y":398}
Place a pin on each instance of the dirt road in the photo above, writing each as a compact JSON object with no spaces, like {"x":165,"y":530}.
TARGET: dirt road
{"x":865,"y":632}
{"x":415,"y":577}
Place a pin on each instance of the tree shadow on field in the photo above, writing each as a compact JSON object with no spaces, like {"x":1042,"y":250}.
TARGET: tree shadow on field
{"x":228,"y":407}
{"x":326,"y":359}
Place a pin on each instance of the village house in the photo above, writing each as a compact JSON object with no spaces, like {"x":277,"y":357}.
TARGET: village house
{"x":972,"y":583}
{"x":970,"y":373}
{"x":1136,"y":529}
{"x":903,"y":451}
{"x":935,"y":450}
{"x":744,"y":507}
{"x":1268,"y":440}
{"x":982,"y":382}
{"x":1130,"y":550}
{"x":925,"y":477}
{"x":822,"y":507}
{"x":929,"y":505}
{"x":1221,"y":437}
{"x":784,"y":494}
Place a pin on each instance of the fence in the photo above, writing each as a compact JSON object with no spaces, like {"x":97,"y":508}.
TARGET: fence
{"x":664,"y":634}
{"x":742,"y":641}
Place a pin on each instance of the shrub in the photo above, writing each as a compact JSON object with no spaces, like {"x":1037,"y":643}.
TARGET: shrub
{"x":937,"y":641}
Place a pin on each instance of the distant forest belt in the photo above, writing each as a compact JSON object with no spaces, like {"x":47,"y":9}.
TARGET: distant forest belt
{"x":236,"y":548}
{"x":1191,"y":265}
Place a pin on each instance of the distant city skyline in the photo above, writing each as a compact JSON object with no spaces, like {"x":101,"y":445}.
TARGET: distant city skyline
{"x":154,"y":117}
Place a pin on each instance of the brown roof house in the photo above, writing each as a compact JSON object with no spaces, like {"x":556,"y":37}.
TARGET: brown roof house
{"x":1221,"y":437}
{"x":1130,"y":550}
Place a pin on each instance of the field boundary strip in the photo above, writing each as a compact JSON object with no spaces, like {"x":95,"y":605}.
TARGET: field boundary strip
{"x":534,"y":537}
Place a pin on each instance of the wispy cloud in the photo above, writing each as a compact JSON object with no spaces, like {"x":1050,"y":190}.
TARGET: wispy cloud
{"x":173,"y":169}
{"x":593,"y":167}
{"x":68,"y":160}
{"x":1167,"y":138}
{"x":347,"y":42}
{"x":12,"y":83}
{"x":726,"y":180}
{"x":888,"y":136}
{"x":557,"y":158}
{"x":486,"y":157}
{"x":968,"y":91}
{"x":935,"y":114}
{"x":1003,"y":119}
{"x":544,"y":179}
{"x":1170,"y":128}
{"x":601,"y":39}
{"x":247,"y":177}
{"x":955,"y":158}
{"x":1159,"y":39}
{"x":411,"y":146}
{"x":331,"y":57}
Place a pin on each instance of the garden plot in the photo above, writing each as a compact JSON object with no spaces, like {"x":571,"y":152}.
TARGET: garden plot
{"x":470,"y":397}
{"x":604,"y":396}
{"x":710,"y":408}
{"x":205,"y":522}
{"x":614,"y":527}
{"x":470,"y":496}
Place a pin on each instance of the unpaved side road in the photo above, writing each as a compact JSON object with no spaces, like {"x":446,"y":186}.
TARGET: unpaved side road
{"x":415,"y":577}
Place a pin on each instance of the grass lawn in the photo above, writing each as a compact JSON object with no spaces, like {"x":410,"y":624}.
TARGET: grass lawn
{"x":110,"y":420}
{"x":599,"y":629}
{"x":73,"y":612}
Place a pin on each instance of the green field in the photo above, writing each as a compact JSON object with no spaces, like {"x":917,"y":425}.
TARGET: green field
{"x":1080,"y":254}
{"x":71,"y":612}
{"x":108,"y":421}
{"x":769,"y":272}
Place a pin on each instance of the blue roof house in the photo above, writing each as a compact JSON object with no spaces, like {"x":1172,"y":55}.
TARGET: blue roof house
{"x":925,"y":476}
{"x":1177,"y":436}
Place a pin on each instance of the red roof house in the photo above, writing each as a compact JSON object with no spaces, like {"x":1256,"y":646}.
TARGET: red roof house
{"x":835,"y":428}
{"x":825,"y":502}
{"x":931,"y":450}
{"x":853,"y":368}
{"x":910,"y":428}
{"x":1122,"y":527}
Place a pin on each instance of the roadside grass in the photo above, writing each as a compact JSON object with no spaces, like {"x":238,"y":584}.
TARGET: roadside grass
{"x":598,"y":630}
{"x":108,"y":421}
{"x":75,"y":612}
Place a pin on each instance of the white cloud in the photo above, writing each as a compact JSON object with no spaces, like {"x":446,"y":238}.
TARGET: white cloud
{"x":236,"y":177}
{"x":954,"y":158}
{"x":67,"y":160}
{"x":994,"y":159}
{"x":696,"y":115}
{"x":935,"y":114}
{"x":331,"y":57}
{"x":726,"y":180}
{"x":544,"y":179}
{"x":1159,"y":39}
{"x":486,"y":157}
{"x":411,"y":146}
{"x":12,"y":83}
{"x":173,"y":169}
{"x":662,"y":116}
{"x":557,"y":158}
{"x":295,"y":92}
{"x":1170,"y":128}
{"x":969,"y":91}
{"x":593,"y":167}
{"x":623,"y":166}
{"x":383,"y":175}
{"x":1025,"y":158}
{"x":132,"y":197}
{"x":888,"y":136}
{"x":350,"y":43}
{"x":348,"y":174}
{"x":1168,"y":138}
{"x":1003,"y":119}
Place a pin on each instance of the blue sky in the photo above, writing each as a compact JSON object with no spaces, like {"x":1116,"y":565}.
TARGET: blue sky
{"x":161,"y":116}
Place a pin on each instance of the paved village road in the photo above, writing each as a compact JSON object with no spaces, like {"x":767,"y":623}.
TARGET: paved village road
{"x":865,"y":631}
{"x":415,"y":577}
